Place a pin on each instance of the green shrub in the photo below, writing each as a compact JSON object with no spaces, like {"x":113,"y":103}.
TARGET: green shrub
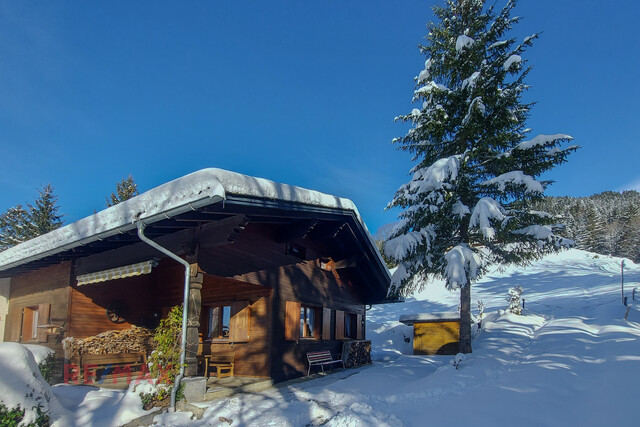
{"x":161,"y":397}
{"x":13,"y":417}
{"x":46,"y":367}
{"x":164,"y":362}
{"x":10,"y":417}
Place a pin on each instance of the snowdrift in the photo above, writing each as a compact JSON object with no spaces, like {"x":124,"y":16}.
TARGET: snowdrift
{"x":21,"y":383}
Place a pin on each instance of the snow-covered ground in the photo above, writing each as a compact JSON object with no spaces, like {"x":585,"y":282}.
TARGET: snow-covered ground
{"x":571,"y":359}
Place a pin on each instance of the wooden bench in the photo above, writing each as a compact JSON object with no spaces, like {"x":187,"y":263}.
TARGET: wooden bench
{"x":223,"y":364}
{"x":102,"y":361}
{"x":321,"y":358}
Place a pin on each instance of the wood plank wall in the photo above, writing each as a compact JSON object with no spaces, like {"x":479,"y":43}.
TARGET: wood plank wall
{"x":308,"y":284}
{"x":48,"y":286}
{"x":255,"y":257}
{"x":89,"y":302}
{"x":5,"y":285}
{"x":251,"y":357}
{"x":255,"y":268}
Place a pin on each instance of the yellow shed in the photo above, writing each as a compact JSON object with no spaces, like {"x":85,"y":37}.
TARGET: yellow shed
{"x":434,"y":333}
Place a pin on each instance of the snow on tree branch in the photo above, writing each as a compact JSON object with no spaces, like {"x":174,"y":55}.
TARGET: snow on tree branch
{"x":463,"y":42}
{"x":543,"y":140}
{"x":484,"y":214}
{"x":399,"y":247}
{"x":544,"y":235}
{"x":514,"y":178}
{"x":462,"y":266}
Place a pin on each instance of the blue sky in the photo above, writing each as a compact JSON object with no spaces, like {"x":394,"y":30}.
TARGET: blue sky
{"x":295,"y":91}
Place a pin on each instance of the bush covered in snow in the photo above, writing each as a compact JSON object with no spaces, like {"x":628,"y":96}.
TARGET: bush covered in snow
{"x":515,"y":300}
{"x":25,"y":396}
{"x":15,"y":416}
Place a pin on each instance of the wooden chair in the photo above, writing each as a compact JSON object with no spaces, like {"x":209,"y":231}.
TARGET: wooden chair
{"x":223,"y":364}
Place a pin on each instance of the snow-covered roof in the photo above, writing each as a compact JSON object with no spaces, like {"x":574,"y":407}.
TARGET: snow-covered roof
{"x":190,"y":192}
{"x":410,"y":319}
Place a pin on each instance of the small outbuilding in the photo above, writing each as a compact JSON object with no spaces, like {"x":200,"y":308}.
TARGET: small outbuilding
{"x":434,"y":333}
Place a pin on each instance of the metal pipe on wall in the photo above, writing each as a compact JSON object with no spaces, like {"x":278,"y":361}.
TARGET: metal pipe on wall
{"x":185,"y":308}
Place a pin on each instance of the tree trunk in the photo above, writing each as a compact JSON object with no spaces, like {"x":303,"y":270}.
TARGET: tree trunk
{"x":465,"y":318}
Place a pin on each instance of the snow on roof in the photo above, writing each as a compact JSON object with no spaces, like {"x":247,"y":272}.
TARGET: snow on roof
{"x":410,"y":319}
{"x":190,"y":192}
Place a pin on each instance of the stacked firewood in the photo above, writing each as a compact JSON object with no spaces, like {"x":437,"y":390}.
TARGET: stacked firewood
{"x":356,"y":353}
{"x":134,"y":340}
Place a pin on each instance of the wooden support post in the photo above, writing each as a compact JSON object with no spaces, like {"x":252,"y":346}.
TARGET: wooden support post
{"x":193,"y":326}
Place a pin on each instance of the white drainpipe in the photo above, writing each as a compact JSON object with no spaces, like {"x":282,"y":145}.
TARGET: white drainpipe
{"x":185,"y":308}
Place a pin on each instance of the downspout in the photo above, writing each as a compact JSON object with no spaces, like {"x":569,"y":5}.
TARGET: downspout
{"x":185,"y":308}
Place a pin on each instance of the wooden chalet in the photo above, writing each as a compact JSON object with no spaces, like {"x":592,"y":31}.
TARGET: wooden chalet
{"x":276,"y":271}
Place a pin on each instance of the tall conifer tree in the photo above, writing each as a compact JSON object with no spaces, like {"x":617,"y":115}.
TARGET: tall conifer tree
{"x":15,"y":227}
{"x":465,"y":206}
{"x":18,"y":225}
{"x":44,"y":213}
{"x":125,"y":189}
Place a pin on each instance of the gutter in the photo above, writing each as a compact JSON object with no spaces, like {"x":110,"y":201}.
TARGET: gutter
{"x":115,"y":230}
{"x":185,"y":308}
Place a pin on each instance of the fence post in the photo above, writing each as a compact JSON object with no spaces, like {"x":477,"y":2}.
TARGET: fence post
{"x":622,"y":280}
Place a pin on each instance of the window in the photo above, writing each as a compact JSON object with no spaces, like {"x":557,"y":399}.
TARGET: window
{"x":30,"y":317}
{"x":349,"y":325}
{"x":226,"y":321}
{"x":219,"y":322}
{"x":307,"y":322}
{"x":33,"y":317}
{"x":304,"y":321}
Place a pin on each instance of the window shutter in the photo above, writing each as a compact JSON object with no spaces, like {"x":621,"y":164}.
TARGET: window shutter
{"x":239,"y":322}
{"x":326,"y":323}
{"x":292,"y":321}
{"x":43,"y":319}
{"x":359,"y":329}
{"x":339,"y":324}
{"x":27,"y":324}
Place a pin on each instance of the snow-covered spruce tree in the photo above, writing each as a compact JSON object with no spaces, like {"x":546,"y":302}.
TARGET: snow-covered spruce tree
{"x":125,"y":189}
{"x":15,"y":227}
{"x":18,"y":225}
{"x":465,"y":206}
{"x":44,"y":214}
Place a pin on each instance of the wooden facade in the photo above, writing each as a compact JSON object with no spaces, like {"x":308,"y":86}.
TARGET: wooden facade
{"x":266,"y":288}
{"x":434,"y":333}
{"x":5,"y":286}
{"x":37,"y":299}
{"x":436,"y":338}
